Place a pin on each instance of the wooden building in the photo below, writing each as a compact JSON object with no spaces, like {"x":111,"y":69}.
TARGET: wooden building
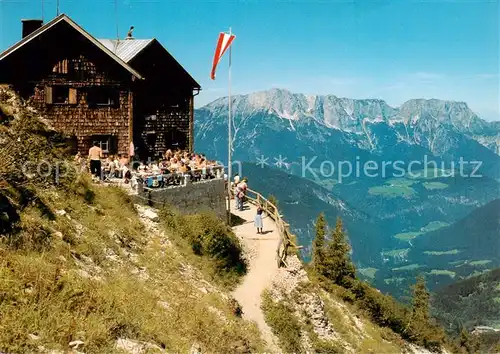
{"x":111,"y":91}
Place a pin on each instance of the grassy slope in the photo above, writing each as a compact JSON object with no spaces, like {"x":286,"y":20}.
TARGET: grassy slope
{"x":77,"y":262}
{"x":105,"y":278}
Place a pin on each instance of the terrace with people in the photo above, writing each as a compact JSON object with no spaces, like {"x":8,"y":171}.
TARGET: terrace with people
{"x":173,"y":168}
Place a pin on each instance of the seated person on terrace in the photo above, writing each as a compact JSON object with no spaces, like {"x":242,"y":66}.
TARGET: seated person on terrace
{"x":123,"y":160}
{"x":164,"y":165}
{"x":169,"y":169}
{"x":174,"y":164}
{"x":155,"y":169}
{"x":168,"y":154}
{"x":106,"y":166}
{"x":183,"y":168}
{"x":142,"y":167}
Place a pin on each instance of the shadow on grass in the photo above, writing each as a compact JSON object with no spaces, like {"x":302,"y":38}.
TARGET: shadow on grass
{"x":236,"y":220}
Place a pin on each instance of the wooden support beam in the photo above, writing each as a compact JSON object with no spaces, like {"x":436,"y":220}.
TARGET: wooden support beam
{"x":191,"y":124}
{"x":130,"y":118}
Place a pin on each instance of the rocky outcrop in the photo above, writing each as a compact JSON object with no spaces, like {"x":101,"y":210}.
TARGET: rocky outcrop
{"x":290,"y":285}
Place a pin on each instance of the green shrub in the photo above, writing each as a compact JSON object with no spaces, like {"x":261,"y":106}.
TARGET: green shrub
{"x":387,"y":312}
{"x":274,"y":201}
{"x":383,"y":309}
{"x":496,"y":348}
{"x":284,"y":324}
{"x":208,"y":237}
{"x":345,"y":294}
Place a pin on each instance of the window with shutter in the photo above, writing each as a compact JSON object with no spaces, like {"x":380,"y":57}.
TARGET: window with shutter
{"x":103,"y":141}
{"x":103,"y":96}
{"x":60,"y":94}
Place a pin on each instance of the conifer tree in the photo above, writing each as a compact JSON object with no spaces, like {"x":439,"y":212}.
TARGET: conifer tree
{"x":338,"y":264}
{"x":496,"y":347}
{"x":422,"y":328}
{"x":318,"y":256}
{"x":468,"y":344}
{"x":420,"y":303}
{"x":464,"y":338}
{"x":273,"y":200}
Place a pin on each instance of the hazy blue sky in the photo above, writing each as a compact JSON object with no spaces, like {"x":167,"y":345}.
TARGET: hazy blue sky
{"x":394,"y":50}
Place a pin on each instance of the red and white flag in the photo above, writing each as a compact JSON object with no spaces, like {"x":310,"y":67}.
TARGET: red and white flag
{"x":225,"y":40}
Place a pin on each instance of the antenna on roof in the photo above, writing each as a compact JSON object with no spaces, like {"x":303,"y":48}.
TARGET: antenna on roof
{"x":116,"y":18}
{"x":42,"y":10}
{"x":57,"y":8}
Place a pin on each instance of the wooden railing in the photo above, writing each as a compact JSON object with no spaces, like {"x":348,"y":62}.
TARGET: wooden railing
{"x":286,"y":237}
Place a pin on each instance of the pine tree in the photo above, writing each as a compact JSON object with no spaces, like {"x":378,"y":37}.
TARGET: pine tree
{"x":496,"y":347}
{"x":464,"y":341}
{"x":273,"y":200}
{"x":318,"y":256}
{"x":420,"y":303}
{"x":338,"y":264}
{"x":422,"y":328}
{"x":468,"y":343}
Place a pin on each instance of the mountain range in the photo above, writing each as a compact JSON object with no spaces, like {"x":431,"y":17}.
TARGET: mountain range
{"x":370,"y":124}
{"x":387,"y":209}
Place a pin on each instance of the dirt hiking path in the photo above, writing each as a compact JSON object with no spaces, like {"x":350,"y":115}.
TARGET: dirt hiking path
{"x":261,"y":254}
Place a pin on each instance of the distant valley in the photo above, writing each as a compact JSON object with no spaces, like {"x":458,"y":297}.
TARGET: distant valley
{"x":395,"y":219}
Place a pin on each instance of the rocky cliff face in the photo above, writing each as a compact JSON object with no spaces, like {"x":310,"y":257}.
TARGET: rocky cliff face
{"x":432,"y":124}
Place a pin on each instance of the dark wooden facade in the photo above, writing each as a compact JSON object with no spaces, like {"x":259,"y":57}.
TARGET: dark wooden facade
{"x":164,"y":112}
{"x":90,"y":94}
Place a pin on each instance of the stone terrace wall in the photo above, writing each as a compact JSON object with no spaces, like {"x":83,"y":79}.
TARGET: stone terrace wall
{"x":191,"y":198}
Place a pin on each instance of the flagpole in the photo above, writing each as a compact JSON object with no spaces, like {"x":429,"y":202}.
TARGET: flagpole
{"x":229,"y":140}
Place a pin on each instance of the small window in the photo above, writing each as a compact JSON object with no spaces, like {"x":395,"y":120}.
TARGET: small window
{"x":104,"y":97}
{"x":102,"y":142}
{"x":60,"y":94}
{"x":108,"y":143}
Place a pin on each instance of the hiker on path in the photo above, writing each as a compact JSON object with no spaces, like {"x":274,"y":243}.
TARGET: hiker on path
{"x":240,"y":193}
{"x":236,"y":180}
{"x":95,"y":155}
{"x":258,"y":220}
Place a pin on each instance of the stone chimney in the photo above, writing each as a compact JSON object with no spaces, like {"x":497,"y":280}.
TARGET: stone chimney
{"x":30,"y":26}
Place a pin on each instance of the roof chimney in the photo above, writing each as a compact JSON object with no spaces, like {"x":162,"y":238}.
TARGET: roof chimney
{"x":30,"y":26}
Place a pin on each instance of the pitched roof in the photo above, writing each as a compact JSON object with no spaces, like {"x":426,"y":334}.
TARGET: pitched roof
{"x":73,"y":24}
{"x":126,"y":49}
